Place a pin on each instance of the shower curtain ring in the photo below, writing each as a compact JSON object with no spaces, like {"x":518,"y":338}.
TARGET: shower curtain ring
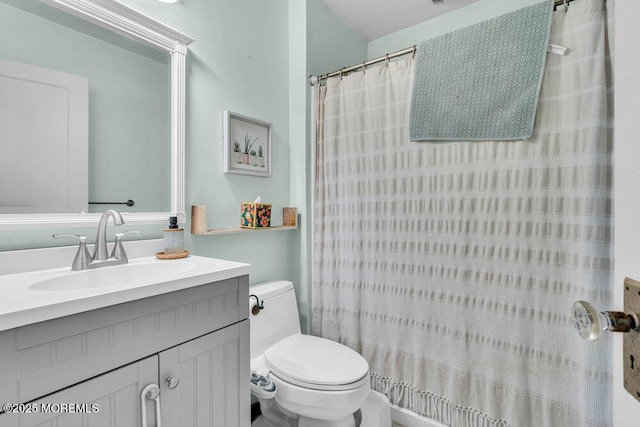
{"x":386,"y":56}
{"x":566,"y":6}
{"x":364,"y":63}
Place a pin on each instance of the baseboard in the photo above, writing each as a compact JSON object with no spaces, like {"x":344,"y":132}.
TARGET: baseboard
{"x":410,"y":419}
{"x":398,"y":415}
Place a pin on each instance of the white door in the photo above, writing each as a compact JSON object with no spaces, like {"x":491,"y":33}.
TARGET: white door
{"x":626,"y":409}
{"x":44,"y":122}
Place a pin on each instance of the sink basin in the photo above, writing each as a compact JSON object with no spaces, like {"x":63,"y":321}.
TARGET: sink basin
{"x":149,"y":272}
{"x":38,"y":285}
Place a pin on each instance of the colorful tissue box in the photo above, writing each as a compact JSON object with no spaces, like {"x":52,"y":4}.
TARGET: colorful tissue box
{"x":255,"y":215}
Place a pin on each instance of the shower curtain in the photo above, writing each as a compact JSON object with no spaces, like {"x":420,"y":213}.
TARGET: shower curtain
{"x":452,"y":266}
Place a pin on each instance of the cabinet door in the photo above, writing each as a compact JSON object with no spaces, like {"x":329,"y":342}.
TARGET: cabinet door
{"x":213,"y":375}
{"x":111,"y":399}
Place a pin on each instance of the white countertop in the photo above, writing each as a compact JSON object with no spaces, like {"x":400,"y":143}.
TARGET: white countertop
{"x":20,"y":305}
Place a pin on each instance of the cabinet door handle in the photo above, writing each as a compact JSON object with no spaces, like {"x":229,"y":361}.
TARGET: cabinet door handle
{"x":150,"y":392}
{"x":172,"y":382}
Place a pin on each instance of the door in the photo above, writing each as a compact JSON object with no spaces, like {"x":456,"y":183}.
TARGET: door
{"x":111,"y":399}
{"x":626,"y":407}
{"x":44,"y":119}
{"x":205,"y":382}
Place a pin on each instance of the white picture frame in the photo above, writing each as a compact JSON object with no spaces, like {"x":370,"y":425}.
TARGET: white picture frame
{"x":247,"y":145}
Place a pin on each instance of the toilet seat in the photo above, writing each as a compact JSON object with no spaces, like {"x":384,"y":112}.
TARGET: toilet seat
{"x":317,"y":363}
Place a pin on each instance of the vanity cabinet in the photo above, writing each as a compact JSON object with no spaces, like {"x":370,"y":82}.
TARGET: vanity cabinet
{"x":111,"y":399}
{"x":193,"y":344}
{"x":213,"y":379}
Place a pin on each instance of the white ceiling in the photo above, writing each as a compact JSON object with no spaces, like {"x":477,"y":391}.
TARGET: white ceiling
{"x":376,"y":18}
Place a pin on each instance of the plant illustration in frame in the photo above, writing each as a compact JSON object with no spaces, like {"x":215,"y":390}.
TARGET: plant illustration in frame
{"x":247,"y":145}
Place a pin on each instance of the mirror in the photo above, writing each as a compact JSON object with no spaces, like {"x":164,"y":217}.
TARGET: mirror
{"x":136,"y":84}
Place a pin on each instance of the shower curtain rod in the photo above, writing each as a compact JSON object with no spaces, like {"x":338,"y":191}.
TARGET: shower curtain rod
{"x":313,"y":80}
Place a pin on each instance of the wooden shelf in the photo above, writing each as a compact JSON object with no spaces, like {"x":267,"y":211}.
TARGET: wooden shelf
{"x":199,"y":225}
{"x":244,"y":230}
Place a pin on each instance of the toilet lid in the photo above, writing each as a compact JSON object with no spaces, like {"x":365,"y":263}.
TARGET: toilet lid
{"x":316,"y":363}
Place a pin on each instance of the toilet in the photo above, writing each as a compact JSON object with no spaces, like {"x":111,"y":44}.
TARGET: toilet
{"x":318,"y":382}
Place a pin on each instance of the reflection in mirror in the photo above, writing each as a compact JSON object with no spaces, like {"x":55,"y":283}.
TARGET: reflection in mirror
{"x":128,"y":155}
{"x":136,"y":98}
{"x":44,"y":128}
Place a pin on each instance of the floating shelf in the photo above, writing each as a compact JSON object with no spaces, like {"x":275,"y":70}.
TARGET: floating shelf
{"x":244,"y":230}
{"x":199,"y":225}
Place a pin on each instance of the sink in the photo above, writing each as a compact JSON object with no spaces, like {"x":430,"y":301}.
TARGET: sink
{"x":124,"y":274}
{"x":38,"y":285}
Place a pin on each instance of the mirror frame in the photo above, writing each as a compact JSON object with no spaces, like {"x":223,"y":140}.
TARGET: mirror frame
{"x":122,"y":19}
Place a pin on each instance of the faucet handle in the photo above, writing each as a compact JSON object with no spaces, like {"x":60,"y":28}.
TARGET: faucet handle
{"x":118,"y":250}
{"x":80,"y":237}
{"x":83,"y":257}
{"x":119,"y":236}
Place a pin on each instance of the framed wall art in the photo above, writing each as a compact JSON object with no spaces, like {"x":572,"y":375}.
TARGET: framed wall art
{"x":247,"y":145}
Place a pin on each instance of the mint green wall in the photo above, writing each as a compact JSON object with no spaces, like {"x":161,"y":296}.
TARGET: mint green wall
{"x":331,"y":44}
{"x":459,"y":18}
{"x":319,"y":43}
{"x":239,"y":62}
{"x":298,"y":190}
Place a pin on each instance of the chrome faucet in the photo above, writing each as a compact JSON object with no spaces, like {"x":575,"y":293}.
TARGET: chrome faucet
{"x":100,"y":257}
{"x":100,"y":248}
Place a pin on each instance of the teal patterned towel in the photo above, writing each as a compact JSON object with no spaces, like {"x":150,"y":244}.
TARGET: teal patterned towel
{"x":482,"y":82}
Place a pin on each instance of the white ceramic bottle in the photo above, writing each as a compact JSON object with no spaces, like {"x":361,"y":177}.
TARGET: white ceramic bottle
{"x":173,"y":237}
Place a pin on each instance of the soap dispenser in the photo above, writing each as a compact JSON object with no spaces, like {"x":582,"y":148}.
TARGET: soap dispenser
{"x":173,"y":237}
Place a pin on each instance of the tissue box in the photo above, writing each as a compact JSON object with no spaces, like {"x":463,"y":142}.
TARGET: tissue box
{"x":255,"y":215}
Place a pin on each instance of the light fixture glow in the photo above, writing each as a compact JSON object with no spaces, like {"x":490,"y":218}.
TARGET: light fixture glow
{"x":168,"y":1}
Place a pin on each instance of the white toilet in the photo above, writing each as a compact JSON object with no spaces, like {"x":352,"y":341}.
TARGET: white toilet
{"x":318,"y":382}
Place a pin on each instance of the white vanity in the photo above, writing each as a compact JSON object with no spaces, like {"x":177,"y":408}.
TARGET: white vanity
{"x":105,"y":347}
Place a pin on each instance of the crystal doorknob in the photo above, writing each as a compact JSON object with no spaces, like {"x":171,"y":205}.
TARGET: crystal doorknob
{"x":590,"y":323}
{"x":172,"y":382}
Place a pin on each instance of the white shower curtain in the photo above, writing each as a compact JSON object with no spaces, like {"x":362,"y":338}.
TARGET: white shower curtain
{"x":452,"y":266}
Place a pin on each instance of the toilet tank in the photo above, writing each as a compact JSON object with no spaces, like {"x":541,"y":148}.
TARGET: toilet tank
{"x":277,"y":320}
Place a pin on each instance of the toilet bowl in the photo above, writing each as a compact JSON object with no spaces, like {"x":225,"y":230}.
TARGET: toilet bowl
{"x":318,"y":382}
